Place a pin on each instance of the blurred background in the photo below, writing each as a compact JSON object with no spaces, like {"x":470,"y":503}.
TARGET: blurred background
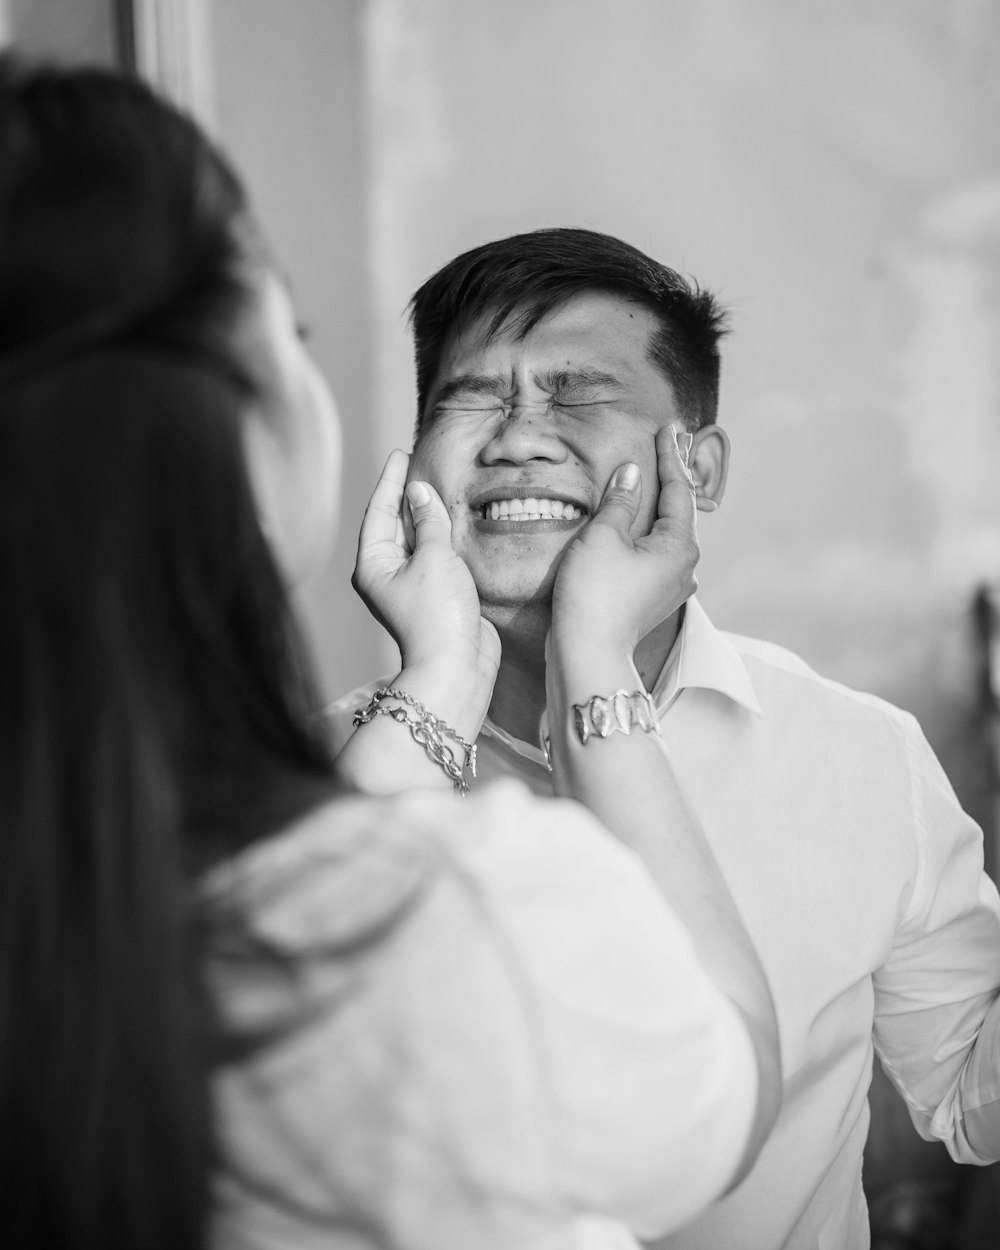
{"x":830,"y":169}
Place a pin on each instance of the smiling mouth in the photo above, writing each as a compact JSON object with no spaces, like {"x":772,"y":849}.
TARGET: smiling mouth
{"x":530,"y":509}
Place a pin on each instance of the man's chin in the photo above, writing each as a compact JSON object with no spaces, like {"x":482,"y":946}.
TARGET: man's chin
{"x":517,"y":597}
{"x":525,"y":578}
{"x":522,"y":627}
{"x":510,"y":607}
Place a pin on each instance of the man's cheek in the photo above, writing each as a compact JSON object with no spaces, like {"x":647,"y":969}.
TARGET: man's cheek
{"x":426,"y":448}
{"x":424,"y":467}
{"x":461,"y":541}
{"x":416,"y":470}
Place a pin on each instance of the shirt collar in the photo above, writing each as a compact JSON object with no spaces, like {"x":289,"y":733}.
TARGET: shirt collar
{"x":703,"y":658}
{"x":526,"y":750}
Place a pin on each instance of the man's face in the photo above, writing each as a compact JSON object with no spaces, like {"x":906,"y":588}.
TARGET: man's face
{"x":522,"y":435}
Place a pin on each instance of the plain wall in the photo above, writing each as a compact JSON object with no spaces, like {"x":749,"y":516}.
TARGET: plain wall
{"x":289,"y":108}
{"x":62,"y":30}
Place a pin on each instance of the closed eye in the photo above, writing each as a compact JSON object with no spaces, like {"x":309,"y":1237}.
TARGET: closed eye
{"x":473,"y":392}
{"x":559,"y":402}
{"x":472,"y":407}
{"x":580,"y":387}
{"x":469,"y":403}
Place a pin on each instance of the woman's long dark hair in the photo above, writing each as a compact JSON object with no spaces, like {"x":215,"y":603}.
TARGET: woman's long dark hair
{"x":154,"y":700}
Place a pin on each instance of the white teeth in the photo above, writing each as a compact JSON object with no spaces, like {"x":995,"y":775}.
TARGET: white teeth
{"x":532,"y":510}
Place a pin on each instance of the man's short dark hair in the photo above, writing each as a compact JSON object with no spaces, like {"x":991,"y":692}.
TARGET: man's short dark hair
{"x":519,"y":280}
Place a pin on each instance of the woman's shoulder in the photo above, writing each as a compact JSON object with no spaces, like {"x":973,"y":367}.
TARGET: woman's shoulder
{"x":351,"y":865}
{"x":356,"y":864}
{"x":341,"y":871}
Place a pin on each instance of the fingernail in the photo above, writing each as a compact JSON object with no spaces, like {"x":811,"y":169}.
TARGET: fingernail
{"x":627,"y":477}
{"x":686,"y":442}
{"x":418,"y":494}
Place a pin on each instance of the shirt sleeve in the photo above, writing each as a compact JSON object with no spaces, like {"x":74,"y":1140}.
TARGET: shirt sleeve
{"x":573,"y":1050}
{"x":937,"y":1022}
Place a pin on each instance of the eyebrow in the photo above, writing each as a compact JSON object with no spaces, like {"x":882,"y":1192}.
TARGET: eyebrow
{"x":488,"y":384}
{"x":564,"y":379}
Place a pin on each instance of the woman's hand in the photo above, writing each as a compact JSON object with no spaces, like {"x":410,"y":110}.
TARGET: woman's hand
{"x":612,"y":589}
{"x":422,"y":592}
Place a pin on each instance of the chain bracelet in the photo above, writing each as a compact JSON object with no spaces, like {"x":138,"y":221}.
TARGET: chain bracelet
{"x":387,"y":692}
{"x":426,"y":732}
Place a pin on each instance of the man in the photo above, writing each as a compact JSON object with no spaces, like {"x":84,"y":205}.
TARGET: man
{"x":543,"y":362}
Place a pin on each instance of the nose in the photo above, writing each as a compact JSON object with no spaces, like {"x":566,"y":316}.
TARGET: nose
{"x":526,"y":433}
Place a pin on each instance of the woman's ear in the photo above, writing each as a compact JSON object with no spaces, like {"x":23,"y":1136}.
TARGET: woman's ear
{"x":708,"y":461}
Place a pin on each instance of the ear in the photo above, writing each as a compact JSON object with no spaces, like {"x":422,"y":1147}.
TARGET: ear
{"x":708,"y":461}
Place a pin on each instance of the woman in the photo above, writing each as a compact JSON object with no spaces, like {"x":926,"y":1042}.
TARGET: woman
{"x":241,"y":1008}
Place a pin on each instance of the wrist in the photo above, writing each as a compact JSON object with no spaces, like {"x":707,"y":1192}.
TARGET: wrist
{"x":596,"y":712}
{"x":592,"y":640}
{"x":587,"y":666}
{"x":443,"y":745}
{"x":450,"y":692}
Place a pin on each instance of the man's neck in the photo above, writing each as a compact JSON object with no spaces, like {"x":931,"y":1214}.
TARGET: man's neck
{"x":651,"y":653}
{"x":519,"y":694}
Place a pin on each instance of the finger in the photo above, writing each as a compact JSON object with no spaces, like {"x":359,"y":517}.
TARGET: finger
{"x":489,"y":631}
{"x":381,"y":522}
{"x":676,"y":504}
{"x":621,"y":499}
{"x":489,"y":642}
{"x":431,"y":522}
